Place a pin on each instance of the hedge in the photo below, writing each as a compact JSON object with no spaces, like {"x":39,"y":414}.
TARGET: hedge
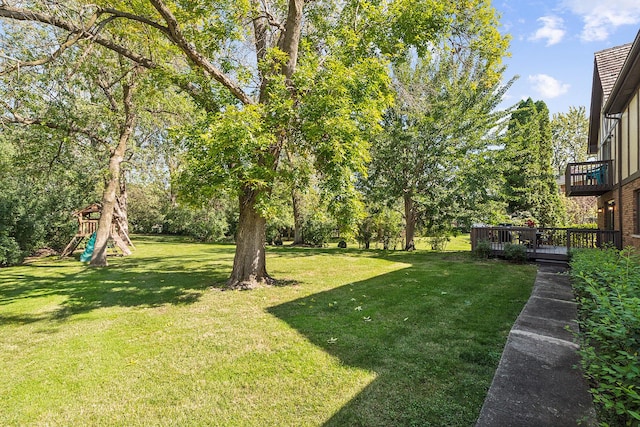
{"x":607,"y":287}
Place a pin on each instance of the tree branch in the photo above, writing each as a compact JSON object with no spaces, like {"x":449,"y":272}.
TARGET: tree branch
{"x":172,"y":31}
{"x":106,"y":89}
{"x":141,"y":19}
{"x":17,"y":118}
{"x":72,"y":128}
{"x":179,"y":40}
{"x":70,"y":42}
{"x":290,"y":38}
{"x":31,"y":16}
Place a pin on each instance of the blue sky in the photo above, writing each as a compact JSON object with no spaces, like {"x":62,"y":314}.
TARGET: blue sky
{"x":553,"y":42}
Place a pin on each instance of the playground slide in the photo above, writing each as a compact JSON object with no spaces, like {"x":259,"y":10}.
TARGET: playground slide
{"x":88,"y":250}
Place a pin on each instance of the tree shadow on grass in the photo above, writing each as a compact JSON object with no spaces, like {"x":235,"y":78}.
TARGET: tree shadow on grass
{"x":425,"y":336}
{"x":135,"y":282}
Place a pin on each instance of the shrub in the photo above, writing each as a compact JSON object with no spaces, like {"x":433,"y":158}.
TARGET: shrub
{"x":439,"y":242}
{"x":10,"y":252}
{"x":607,"y":286}
{"x":483,"y":249}
{"x":146,"y":208}
{"x":205,"y":225}
{"x":515,"y":252}
{"x":35,"y":215}
{"x":317,"y":230}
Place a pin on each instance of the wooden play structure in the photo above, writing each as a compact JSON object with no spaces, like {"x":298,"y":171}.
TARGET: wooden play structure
{"x":88,"y":224}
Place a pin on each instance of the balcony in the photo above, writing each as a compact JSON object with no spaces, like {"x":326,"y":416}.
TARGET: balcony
{"x":589,"y":178}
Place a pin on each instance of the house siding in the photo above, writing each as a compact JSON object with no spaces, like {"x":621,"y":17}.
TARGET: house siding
{"x":631,"y":181}
{"x":626,"y":139}
{"x":633,"y":134}
{"x":614,"y":134}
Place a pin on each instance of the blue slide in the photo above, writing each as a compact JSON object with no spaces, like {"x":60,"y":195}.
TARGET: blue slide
{"x":88,"y":250}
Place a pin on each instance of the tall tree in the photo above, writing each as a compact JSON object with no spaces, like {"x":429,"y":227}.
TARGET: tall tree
{"x":439,"y":127}
{"x":527,"y":158}
{"x":84,"y":101}
{"x":306,"y":72}
{"x":570,"y":132}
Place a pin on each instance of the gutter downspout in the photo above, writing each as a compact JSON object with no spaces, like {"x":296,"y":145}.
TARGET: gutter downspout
{"x":618,"y":119}
{"x":619,"y":178}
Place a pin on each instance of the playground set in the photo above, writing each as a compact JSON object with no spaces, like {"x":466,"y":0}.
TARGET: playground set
{"x":88,"y":219}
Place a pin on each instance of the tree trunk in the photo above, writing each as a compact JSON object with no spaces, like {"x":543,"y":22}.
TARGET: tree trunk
{"x":122,"y":229}
{"x":99,"y":257}
{"x":249,"y":263}
{"x":122,"y":204}
{"x":410,"y":219}
{"x":298,"y":238}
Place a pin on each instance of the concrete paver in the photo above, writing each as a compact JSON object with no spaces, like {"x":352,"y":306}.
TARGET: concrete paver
{"x":536,"y":383}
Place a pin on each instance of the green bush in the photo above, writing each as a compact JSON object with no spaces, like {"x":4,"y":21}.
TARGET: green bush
{"x":146,"y":208}
{"x":317,"y":230}
{"x":607,"y":286}
{"x":35,"y":215}
{"x":439,"y":242}
{"x":10,"y":252}
{"x":483,"y":249}
{"x":515,"y":252}
{"x":206,"y":225}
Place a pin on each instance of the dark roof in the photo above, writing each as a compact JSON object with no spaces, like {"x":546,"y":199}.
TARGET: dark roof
{"x":94,"y":207}
{"x":607,"y":67}
{"x":627,"y":82}
{"x":609,"y":62}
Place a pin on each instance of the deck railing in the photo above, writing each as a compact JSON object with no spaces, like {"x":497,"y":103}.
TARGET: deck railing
{"x":589,"y":178}
{"x":547,"y":241}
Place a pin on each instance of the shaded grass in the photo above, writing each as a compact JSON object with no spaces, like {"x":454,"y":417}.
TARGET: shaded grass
{"x":149,"y":341}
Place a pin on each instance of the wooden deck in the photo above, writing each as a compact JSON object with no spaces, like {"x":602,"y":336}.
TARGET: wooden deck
{"x":553,"y":244}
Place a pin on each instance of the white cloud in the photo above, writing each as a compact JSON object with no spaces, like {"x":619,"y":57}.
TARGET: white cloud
{"x":551,"y":30}
{"x":547,"y":86}
{"x":601,"y":18}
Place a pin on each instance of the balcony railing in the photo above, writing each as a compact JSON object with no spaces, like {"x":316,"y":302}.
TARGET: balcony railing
{"x":589,"y":178}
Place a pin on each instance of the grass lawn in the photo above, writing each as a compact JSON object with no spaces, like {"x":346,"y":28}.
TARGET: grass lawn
{"x":366,"y":338}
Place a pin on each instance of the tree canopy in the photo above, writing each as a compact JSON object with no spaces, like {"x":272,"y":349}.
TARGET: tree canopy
{"x":436,"y":138}
{"x":570,"y":132}
{"x":531,"y":188}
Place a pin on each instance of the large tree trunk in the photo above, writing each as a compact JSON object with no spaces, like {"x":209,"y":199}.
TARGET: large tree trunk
{"x":99,"y":257}
{"x":249,"y":263}
{"x":410,"y":219}
{"x":298,"y":238}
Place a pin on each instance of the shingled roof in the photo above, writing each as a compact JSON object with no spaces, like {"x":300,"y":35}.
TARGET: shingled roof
{"x":607,"y":66}
{"x":609,"y":62}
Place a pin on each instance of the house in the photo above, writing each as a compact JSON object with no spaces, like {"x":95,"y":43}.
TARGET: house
{"x":614,"y":140}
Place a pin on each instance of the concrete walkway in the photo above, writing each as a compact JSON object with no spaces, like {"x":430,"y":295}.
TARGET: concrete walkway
{"x":536,"y":383}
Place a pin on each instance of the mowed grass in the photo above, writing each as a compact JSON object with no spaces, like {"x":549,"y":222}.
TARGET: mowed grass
{"x":367,"y":338}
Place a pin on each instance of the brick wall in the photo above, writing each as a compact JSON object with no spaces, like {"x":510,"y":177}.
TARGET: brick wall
{"x":629,"y":214}
{"x":602,"y":205}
